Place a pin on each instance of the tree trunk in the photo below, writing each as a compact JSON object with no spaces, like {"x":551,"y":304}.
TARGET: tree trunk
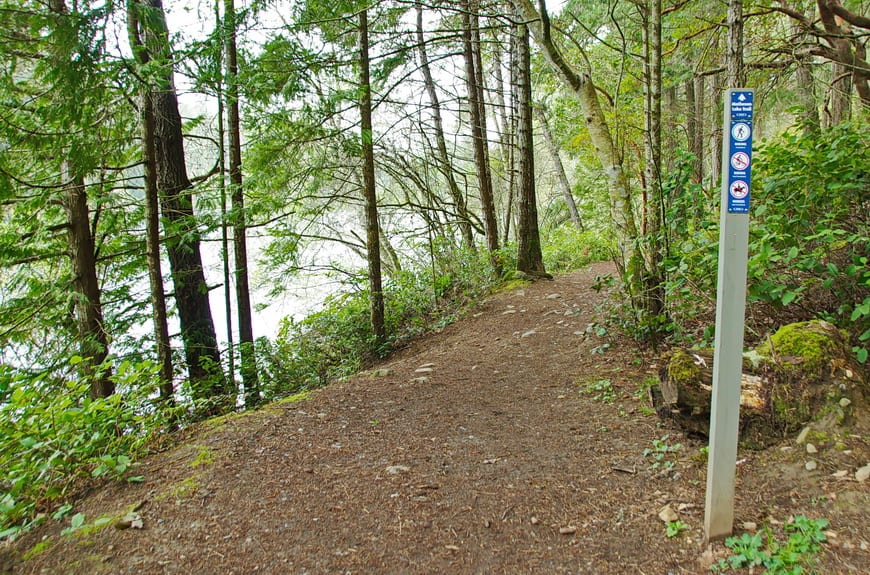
{"x":695,"y":126}
{"x":93,"y":339}
{"x":805,"y":84}
{"x":504,"y":120}
{"x":654,"y":293}
{"x":225,"y":222}
{"x":478,"y":128}
{"x":152,"y":254}
{"x":715,"y":132}
{"x":685,"y":389}
{"x":250,"y":378}
{"x":669,"y":131}
{"x":735,"y":70}
{"x":376,"y":295}
{"x":92,"y":336}
{"x":445,"y":165}
{"x":798,"y":377}
{"x":150,"y":41}
{"x":529,"y":257}
{"x":622,"y":214}
{"x":839,"y":103}
{"x":564,"y":185}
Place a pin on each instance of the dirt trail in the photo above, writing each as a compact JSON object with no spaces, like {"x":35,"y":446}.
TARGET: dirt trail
{"x":472,"y":451}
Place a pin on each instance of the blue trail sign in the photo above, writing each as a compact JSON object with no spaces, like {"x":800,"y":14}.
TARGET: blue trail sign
{"x":739,"y":150}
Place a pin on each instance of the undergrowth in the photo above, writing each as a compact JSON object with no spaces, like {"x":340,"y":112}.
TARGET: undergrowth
{"x":53,"y":436}
{"x":337,"y":341}
{"x":794,"y":556}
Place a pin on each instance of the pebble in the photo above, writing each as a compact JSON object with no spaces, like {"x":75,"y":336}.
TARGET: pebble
{"x":863,"y":473}
{"x":811,"y":448}
{"x":845,"y":402}
{"x":667,"y":514}
{"x":749,"y":526}
{"x":811,"y":465}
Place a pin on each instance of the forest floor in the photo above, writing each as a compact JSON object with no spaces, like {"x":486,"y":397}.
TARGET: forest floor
{"x":511,"y":441}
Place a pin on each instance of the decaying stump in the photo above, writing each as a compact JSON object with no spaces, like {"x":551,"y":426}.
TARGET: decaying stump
{"x":803,"y":373}
{"x":686,"y":386}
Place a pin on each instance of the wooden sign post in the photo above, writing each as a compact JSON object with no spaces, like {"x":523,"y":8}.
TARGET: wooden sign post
{"x":730,"y":309}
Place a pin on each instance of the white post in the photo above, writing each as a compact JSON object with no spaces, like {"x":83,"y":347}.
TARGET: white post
{"x":730,"y":308}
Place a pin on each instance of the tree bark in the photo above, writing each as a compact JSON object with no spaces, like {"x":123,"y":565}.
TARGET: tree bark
{"x":93,"y":339}
{"x":250,"y":378}
{"x":839,"y":105}
{"x":445,"y":165}
{"x":225,"y":221}
{"x":715,"y":132}
{"x":152,"y":254}
{"x":654,"y":293}
{"x":805,"y":85}
{"x":92,"y":335}
{"x":695,"y":126}
{"x":504,"y":117}
{"x":735,"y":70}
{"x":478,"y":127}
{"x":376,"y":295}
{"x":529,"y":257}
{"x":150,"y":40}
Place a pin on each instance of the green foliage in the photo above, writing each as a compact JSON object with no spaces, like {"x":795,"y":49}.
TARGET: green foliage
{"x":674,"y":528}
{"x":566,"y":248}
{"x":661,"y":453}
{"x":793,"y":557}
{"x":809,"y":239}
{"x":601,"y":390}
{"x":337,"y":341}
{"x":53,"y":434}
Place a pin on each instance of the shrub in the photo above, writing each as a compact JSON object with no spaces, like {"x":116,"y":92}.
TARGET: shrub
{"x":566,"y":248}
{"x":809,"y":239}
{"x":52,"y":434}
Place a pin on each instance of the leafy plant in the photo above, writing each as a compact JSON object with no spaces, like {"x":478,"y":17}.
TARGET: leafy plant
{"x":600,"y":390}
{"x":52,"y":433}
{"x":566,"y":248}
{"x":661,"y":453}
{"x":792,"y":557}
{"x":809,"y":239}
{"x":674,"y":528}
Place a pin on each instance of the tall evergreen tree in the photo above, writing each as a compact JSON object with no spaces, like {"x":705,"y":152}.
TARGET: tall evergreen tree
{"x":529,"y":256}
{"x":149,"y":36}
